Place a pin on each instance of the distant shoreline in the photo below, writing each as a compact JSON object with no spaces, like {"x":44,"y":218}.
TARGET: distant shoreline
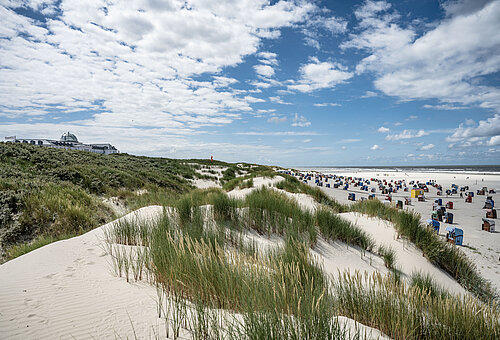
{"x":472,"y":169}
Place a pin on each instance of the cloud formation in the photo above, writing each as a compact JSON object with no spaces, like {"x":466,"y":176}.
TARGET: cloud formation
{"x":300,"y":121}
{"x":132,"y":64}
{"x":446,"y":62}
{"x":320,"y":75}
{"x":406,"y":134}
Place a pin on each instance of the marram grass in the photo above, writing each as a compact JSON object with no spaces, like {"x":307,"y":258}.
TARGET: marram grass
{"x":216,"y":288}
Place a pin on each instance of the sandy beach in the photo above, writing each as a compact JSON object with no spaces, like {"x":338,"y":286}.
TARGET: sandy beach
{"x":68,"y":290}
{"x":482,"y":247}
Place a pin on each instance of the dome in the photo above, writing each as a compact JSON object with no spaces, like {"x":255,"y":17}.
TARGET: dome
{"x":68,"y":137}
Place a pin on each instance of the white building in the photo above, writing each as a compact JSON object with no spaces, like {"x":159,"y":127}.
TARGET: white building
{"x":67,"y":141}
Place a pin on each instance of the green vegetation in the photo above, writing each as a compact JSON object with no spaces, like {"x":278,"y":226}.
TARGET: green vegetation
{"x":333,"y":227}
{"x":388,"y":255}
{"x":246,"y":181}
{"x":425,"y":283}
{"x":292,"y":184}
{"x":192,"y":253}
{"x":442,"y":254}
{"x":404,"y":312}
{"x":48,"y":193}
{"x":408,"y":224}
{"x":210,"y":284}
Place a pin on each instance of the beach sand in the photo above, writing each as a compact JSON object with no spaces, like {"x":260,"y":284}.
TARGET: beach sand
{"x":482,"y":247}
{"x":68,"y":290}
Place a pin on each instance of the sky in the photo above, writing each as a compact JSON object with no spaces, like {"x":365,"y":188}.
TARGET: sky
{"x":289,"y":83}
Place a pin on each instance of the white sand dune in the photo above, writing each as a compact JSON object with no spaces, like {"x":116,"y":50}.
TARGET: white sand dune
{"x":304,"y":201}
{"x":66,"y":290}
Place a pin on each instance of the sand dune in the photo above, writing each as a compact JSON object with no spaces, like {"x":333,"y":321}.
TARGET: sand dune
{"x":66,"y":290}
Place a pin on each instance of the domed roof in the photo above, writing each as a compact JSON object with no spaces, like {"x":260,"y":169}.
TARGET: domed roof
{"x":68,"y":137}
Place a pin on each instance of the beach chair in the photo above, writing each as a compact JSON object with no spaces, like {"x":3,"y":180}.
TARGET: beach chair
{"x":468,"y":199}
{"x":433,"y":224}
{"x":455,"y":235}
{"x":421,"y":198}
{"x":407,"y":201}
{"x":448,"y":217}
{"x":491,"y":213}
{"x":351,"y":197}
{"x":488,"y":225}
{"x":434,"y":215}
{"x":488,"y":204}
{"x":449,"y":205}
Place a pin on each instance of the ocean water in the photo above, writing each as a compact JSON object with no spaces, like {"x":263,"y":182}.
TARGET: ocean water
{"x":463,"y":169}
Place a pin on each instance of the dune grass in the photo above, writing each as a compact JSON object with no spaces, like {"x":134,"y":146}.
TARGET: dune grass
{"x":333,"y":227}
{"x":404,"y":312}
{"x":246,"y":181}
{"x":425,"y":283}
{"x":389,"y":256}
{"x":282,"y":293}
{"x":228,"y":292}
{"x":292,"y":184}
{"x":440,"y":253}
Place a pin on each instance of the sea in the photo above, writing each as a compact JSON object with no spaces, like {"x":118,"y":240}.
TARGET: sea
{"x":464,"y":169}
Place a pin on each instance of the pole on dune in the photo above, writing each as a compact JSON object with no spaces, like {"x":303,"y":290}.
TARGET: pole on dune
{"x":211,"y":158}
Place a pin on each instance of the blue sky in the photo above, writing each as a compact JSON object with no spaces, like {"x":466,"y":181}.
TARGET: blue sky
{"x":273,"y":82}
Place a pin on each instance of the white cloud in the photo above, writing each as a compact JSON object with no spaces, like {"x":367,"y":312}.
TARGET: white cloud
{"x":407,"y":134}
{"x":251,"y":99}
{"x":348,"y":140}
{"x":300,"y":121}
{"x":495,"y":140}
{"x":268,"y":58}
{"x":132,"y":64}
{"x":487,"y":132}
{"x":427,"y":147}
{"x":264,"y":70}
{"x":319,"y":26}
{"x":326,"y":104}
{"x":369,"y":94}
{"x":446,"y":62}
{"x":223,"y":81}
{"x":412,"y":117}
{"x":276,"y":119}
{"x":470,"y":122}
{"x":383,"y":129}
{"x":278,"y":100}
{"x":319,"y":75}
{"x":445,"y":107}
{"x":277,"y":133}
{"x":261,"y":84}
{"x":375,"y":147}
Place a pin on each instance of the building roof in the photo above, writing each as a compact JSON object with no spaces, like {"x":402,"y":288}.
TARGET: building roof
{"x":68,"y":137}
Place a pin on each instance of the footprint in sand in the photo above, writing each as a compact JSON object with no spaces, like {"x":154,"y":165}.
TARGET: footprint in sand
{"x":50,"y":276}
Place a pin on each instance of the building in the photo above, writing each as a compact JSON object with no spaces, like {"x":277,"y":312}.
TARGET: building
{"x":67,"y":141}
